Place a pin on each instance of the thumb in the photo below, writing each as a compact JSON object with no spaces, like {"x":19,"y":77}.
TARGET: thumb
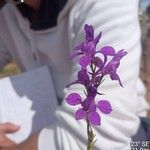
{"x":8,"y":128}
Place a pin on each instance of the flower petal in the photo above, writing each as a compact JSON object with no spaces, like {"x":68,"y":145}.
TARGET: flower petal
{"x":83,"y":75}
{"x":79,"y":47}
{"x":75,"y":54}
{"x":89,"y":32}
{"x":84,"y":61}
{"x":96,"y":40}
{"x":118,"y":56}
{"x":92,"y":91}
{"x":108,"y":50}
{"x":111,"y":67}
{"x":94,"y":118}
{"x":80,"y":114}
{"x":86,"y":103}
{"x":75,"y":82}
{"x":90,"y":48}
{"x":92,"y":107}
{"x":98,"y":62}
{"x":104,"y":106}
{"x":116,"y":77}
{"x":73,"y":99}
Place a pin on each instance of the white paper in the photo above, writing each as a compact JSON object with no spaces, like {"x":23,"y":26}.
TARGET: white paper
{"x":28,"y":100}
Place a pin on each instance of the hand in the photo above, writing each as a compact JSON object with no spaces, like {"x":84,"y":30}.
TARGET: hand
{"x":7,"y":128}
{"x":7,"y":144}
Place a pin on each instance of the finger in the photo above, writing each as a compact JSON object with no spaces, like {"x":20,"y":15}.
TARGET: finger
{"x":6,"y":142}
{"x":8,"y":128}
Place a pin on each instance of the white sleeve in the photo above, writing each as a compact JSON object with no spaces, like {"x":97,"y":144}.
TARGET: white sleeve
{"x":118,"y":19}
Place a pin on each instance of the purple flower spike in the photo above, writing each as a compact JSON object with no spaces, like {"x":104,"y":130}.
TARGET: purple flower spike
{"x":87,"y":58}
{"x":104,"y":106}
{"x":73,"y":99}
{"x":80,"y":114}
{"x":86,"y":50}
{"x":108,"y":51}
{"x":94,"y":118}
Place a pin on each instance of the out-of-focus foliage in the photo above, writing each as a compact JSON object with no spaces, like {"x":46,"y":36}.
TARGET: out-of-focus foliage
{"x":9,"y":70}
{"x":145,"y":63}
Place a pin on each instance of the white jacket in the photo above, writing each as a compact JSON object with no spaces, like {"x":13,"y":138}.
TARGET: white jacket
{"x":118,"y":19}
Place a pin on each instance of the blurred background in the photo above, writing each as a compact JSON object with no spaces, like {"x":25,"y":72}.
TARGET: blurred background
{"x":144,"y":16}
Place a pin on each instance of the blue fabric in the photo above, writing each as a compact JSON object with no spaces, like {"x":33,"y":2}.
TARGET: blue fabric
{"x":142,"y":139}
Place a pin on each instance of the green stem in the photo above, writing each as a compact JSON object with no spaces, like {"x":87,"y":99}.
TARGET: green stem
{"x":90,"y":142}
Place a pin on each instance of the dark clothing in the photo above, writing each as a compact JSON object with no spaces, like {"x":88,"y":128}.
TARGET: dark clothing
{"x":142,"y":139}
{"x":2,"y":3}
{"x":46,"y":16}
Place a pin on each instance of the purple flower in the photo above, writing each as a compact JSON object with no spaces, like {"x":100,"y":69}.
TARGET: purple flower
{"x":83,"y":78}
{"x":88,"y":108}
{"x":111,"y":67}
{"x":87,"y":49}
{"x":88,"y":111}
{"x":91,"y":79}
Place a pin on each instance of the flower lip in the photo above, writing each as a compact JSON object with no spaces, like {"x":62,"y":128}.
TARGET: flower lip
{"x":94,"y":118}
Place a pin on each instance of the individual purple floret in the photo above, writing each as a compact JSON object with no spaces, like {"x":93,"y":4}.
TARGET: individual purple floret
{"x":93,"y":70}
{"x":87,"y":49}
{"x":88,"y":108}
{"x":110,"y":68}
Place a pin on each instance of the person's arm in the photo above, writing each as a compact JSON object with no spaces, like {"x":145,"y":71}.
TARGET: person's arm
{"x":118,"y":20}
